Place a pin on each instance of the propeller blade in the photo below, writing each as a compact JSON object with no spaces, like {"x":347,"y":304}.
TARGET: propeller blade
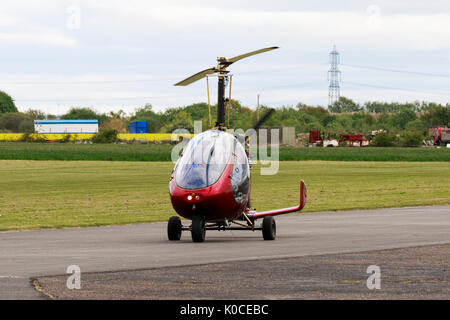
{"x":263,"y":119}
{"x":256,"y":126}
{"x":242,"y":138}
{"x":245,"y":55}
{"x":196,"y":77}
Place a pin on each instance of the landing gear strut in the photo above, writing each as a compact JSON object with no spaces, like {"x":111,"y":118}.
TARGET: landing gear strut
{"x":199,"y":226}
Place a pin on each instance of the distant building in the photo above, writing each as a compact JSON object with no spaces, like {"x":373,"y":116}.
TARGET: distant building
{"x":66,"y":126}
{"x":138,"y":127}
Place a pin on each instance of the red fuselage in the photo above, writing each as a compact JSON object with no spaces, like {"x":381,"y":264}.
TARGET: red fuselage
{"x":212,"y":178}
{"x":215,"y":202}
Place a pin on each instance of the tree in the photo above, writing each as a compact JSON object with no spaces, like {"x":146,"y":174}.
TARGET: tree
{"x":342,"y":124}
{"x":26,"y":125}
{"x":403,"y":117}
{"x":344,"y":105}
{"x":35,"y":114}
{"x":375,"y":107}
{"x":116,"y":124}
{"x":384,"y":121}
{"x":16,"y":122}
{"x":200,"y":110}
{"x":6,"y":103}
{"x":146,"y":113}
{"x":317,"y":112}
{"x":437,"y":115}
{"x":117,"y":115}
{"x":241,"y":117}
{"x":182,"y":120}
{"x":84,"y":113}
{"x":417,"y":126}
{"x":105,"y":136}
{"x":383,"y":139}
{"x":411,"y":138}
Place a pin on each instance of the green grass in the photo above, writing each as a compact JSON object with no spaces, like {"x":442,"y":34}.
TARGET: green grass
{"x":365,"y":154}
{"x":162,"y":152}
{"x":91,"y":152}
{"x":44,"y":194}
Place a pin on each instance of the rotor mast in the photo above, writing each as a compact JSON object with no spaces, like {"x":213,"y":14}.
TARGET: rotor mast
{"x":222,"y":82}
{"x":221,"y":102}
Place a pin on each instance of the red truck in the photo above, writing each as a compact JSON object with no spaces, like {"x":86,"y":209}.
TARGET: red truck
{"x":441,"y":135}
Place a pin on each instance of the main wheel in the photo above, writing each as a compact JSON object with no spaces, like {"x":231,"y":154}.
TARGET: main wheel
{"x":269,"y":228}
{"x":174,"y":228}
{"x":198,"y":229}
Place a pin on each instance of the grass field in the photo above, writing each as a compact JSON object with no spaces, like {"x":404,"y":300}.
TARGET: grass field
{"x":161,"y":152}
{"x":91,"y":152}
{"x":43,"y":194}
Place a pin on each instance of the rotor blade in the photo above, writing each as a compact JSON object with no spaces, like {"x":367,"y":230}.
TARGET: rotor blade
{"x":196,"y":77}
{"x":245,"y":55}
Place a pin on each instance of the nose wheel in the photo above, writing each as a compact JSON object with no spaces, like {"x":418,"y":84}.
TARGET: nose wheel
{"x":198,"y":229}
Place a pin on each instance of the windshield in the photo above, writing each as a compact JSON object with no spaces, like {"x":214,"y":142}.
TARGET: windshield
{"x":204,"y":159}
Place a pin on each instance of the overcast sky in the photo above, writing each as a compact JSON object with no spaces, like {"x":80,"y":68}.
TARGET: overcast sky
{"x":122,"y":54}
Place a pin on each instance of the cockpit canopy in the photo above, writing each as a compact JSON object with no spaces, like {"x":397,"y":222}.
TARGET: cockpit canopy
{"x":204,"y":159}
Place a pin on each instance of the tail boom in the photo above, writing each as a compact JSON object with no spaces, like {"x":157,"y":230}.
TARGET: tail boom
{"x":257,"y":215}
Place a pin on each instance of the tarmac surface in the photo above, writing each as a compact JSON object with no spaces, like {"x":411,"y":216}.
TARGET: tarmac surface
{"x":405,"y":273}
{"x":27,"y":255}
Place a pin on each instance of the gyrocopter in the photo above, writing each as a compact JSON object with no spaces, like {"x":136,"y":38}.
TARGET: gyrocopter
{"x":210,"y":183}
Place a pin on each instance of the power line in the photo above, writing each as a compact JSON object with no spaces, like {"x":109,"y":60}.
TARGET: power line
{"x":90,"y":81}
{"x":296,"y":85}
{"x":164,"y":96}
{"x":263,"y":89}
{"x":172,"y":78}
{"x":105,"y":99}
{"x":398,"y":71}
{"x":398,"y":89}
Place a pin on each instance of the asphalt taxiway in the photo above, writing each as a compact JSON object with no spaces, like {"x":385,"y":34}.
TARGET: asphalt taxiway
{"x":26,"y":255}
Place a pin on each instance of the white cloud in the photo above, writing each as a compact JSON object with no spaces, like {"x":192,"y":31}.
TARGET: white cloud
{"x":30,"y":23}
{"x":23,"y":38}
{"x":134,"y":39}
{"x":309,"y":29}
{"x":7,"y":21}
